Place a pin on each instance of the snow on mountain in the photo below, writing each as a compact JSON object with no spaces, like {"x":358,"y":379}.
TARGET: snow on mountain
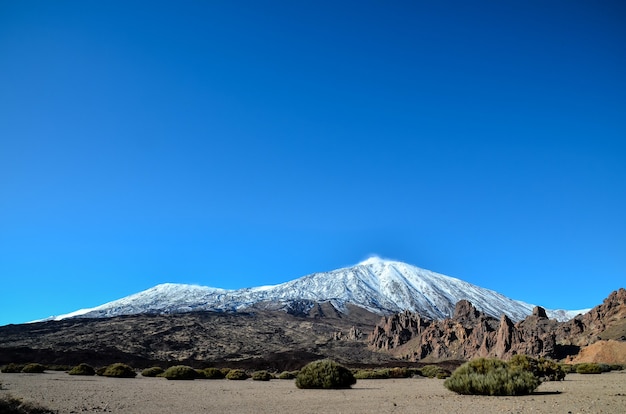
{"x":381,"y":286}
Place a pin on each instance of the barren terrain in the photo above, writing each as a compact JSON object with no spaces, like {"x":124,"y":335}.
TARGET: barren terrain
{"x":605,"y":393}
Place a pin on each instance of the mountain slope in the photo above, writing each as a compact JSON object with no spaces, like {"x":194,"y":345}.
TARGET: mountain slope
{"x":380,"y":286}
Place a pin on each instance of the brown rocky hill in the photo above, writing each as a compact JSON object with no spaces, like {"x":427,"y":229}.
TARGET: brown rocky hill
{"x":470,"y":333}
{"x":607,"y":352}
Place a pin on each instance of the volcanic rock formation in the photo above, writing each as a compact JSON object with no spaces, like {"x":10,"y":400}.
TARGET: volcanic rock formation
{"x":471,"y":333}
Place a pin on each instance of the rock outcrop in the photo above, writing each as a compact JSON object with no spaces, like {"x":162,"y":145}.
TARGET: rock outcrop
{"x":604,"y":322}
{"x":468,"y":334}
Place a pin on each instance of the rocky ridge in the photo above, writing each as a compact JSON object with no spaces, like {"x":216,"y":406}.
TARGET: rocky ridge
{"x":470,"y":333}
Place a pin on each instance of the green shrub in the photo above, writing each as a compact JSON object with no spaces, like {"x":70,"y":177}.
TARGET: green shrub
{"x":589,"y":368}
{"x":432,"y":371}
{"x":11,"y":405}
{"x":118,"y":370}
{"x":542,"y":368}
{"x":324,"y":374}
{"x":262,"y":376}
{"x":213,"y":373}
{"x":399,"y":373}
{"x":33,"y":368}
{"x":491,"y":377}
{"x":288,"y":375}
{"x":82,"y":369}
{"x":372,"y":374}
{"x":152,"y":372}
{"x":12,"y":368}
{"x":225,"y":371}
{"x":616,"y":367}
{"x":415,"y":372}
{"x":237,"y":375}
{"x":180,"y":372}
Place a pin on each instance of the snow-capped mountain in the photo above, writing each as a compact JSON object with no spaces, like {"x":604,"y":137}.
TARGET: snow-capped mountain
{"x":380,"y":286}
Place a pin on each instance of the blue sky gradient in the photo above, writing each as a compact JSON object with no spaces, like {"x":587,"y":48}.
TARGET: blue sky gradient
{"x":243,"y":143}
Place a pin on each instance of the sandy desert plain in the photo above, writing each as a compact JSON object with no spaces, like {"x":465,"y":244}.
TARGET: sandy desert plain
{"x":62,"y":393}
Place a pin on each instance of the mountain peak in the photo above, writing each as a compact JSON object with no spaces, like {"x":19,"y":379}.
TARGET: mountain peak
{"x":374,"y":260}
{"x":379,"y":285}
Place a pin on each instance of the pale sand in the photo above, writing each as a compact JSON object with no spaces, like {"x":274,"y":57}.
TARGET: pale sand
{"x":605,"y":393}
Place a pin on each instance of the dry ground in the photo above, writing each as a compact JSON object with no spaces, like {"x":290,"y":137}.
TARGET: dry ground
{"x":605,"y":393}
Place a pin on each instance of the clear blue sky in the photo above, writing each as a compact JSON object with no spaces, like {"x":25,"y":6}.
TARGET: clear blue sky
{"x":234,"y":144}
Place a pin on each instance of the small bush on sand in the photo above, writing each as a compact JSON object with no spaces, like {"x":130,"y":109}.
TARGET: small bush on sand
{"x":371,"y":374}
{"x":213,"y":373}
{"x":325,"y":374}
{"x":542,"y":368}
{"x":225,"y":371}
{"x":152,"y":372}
{"x":399,"y":373}
{"x":616,"y":367}
{"x":11,"y":405}
{"x":180,"y":372}
{"x":33,"y":368}
{"x":237,"y":375}
{"x":491,"y":377}
{"x":589,"y":368}
{"x":119,"y":370}
{"x":288,"y":375}
{"x":12,"y":368}
{"x":433,"y":371}
{"x":82,"y":369}
{"x":262,"y":376}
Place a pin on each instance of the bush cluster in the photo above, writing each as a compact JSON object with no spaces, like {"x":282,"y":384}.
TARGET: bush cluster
{"x":542,"y":368}
{"x":33,"y":368}
{"x":213,"y":373}
{"x":262,"y":376}
{"x":432,"y":371}
{"x":371,"y":374}
{"x":12,"y":405}
{"x":152,"y":372}
{"x":400,"y":373}
{"x":237,"y":375}
{"x":117,"y":370}
{"x":325,"y":374}
{"x":491,"y":377}
{"x":180,"y":372}
{"x":12,"y":368}
{"x":288,"y":375}
{"x":589,"y":368}
{"x":82,"y":369}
